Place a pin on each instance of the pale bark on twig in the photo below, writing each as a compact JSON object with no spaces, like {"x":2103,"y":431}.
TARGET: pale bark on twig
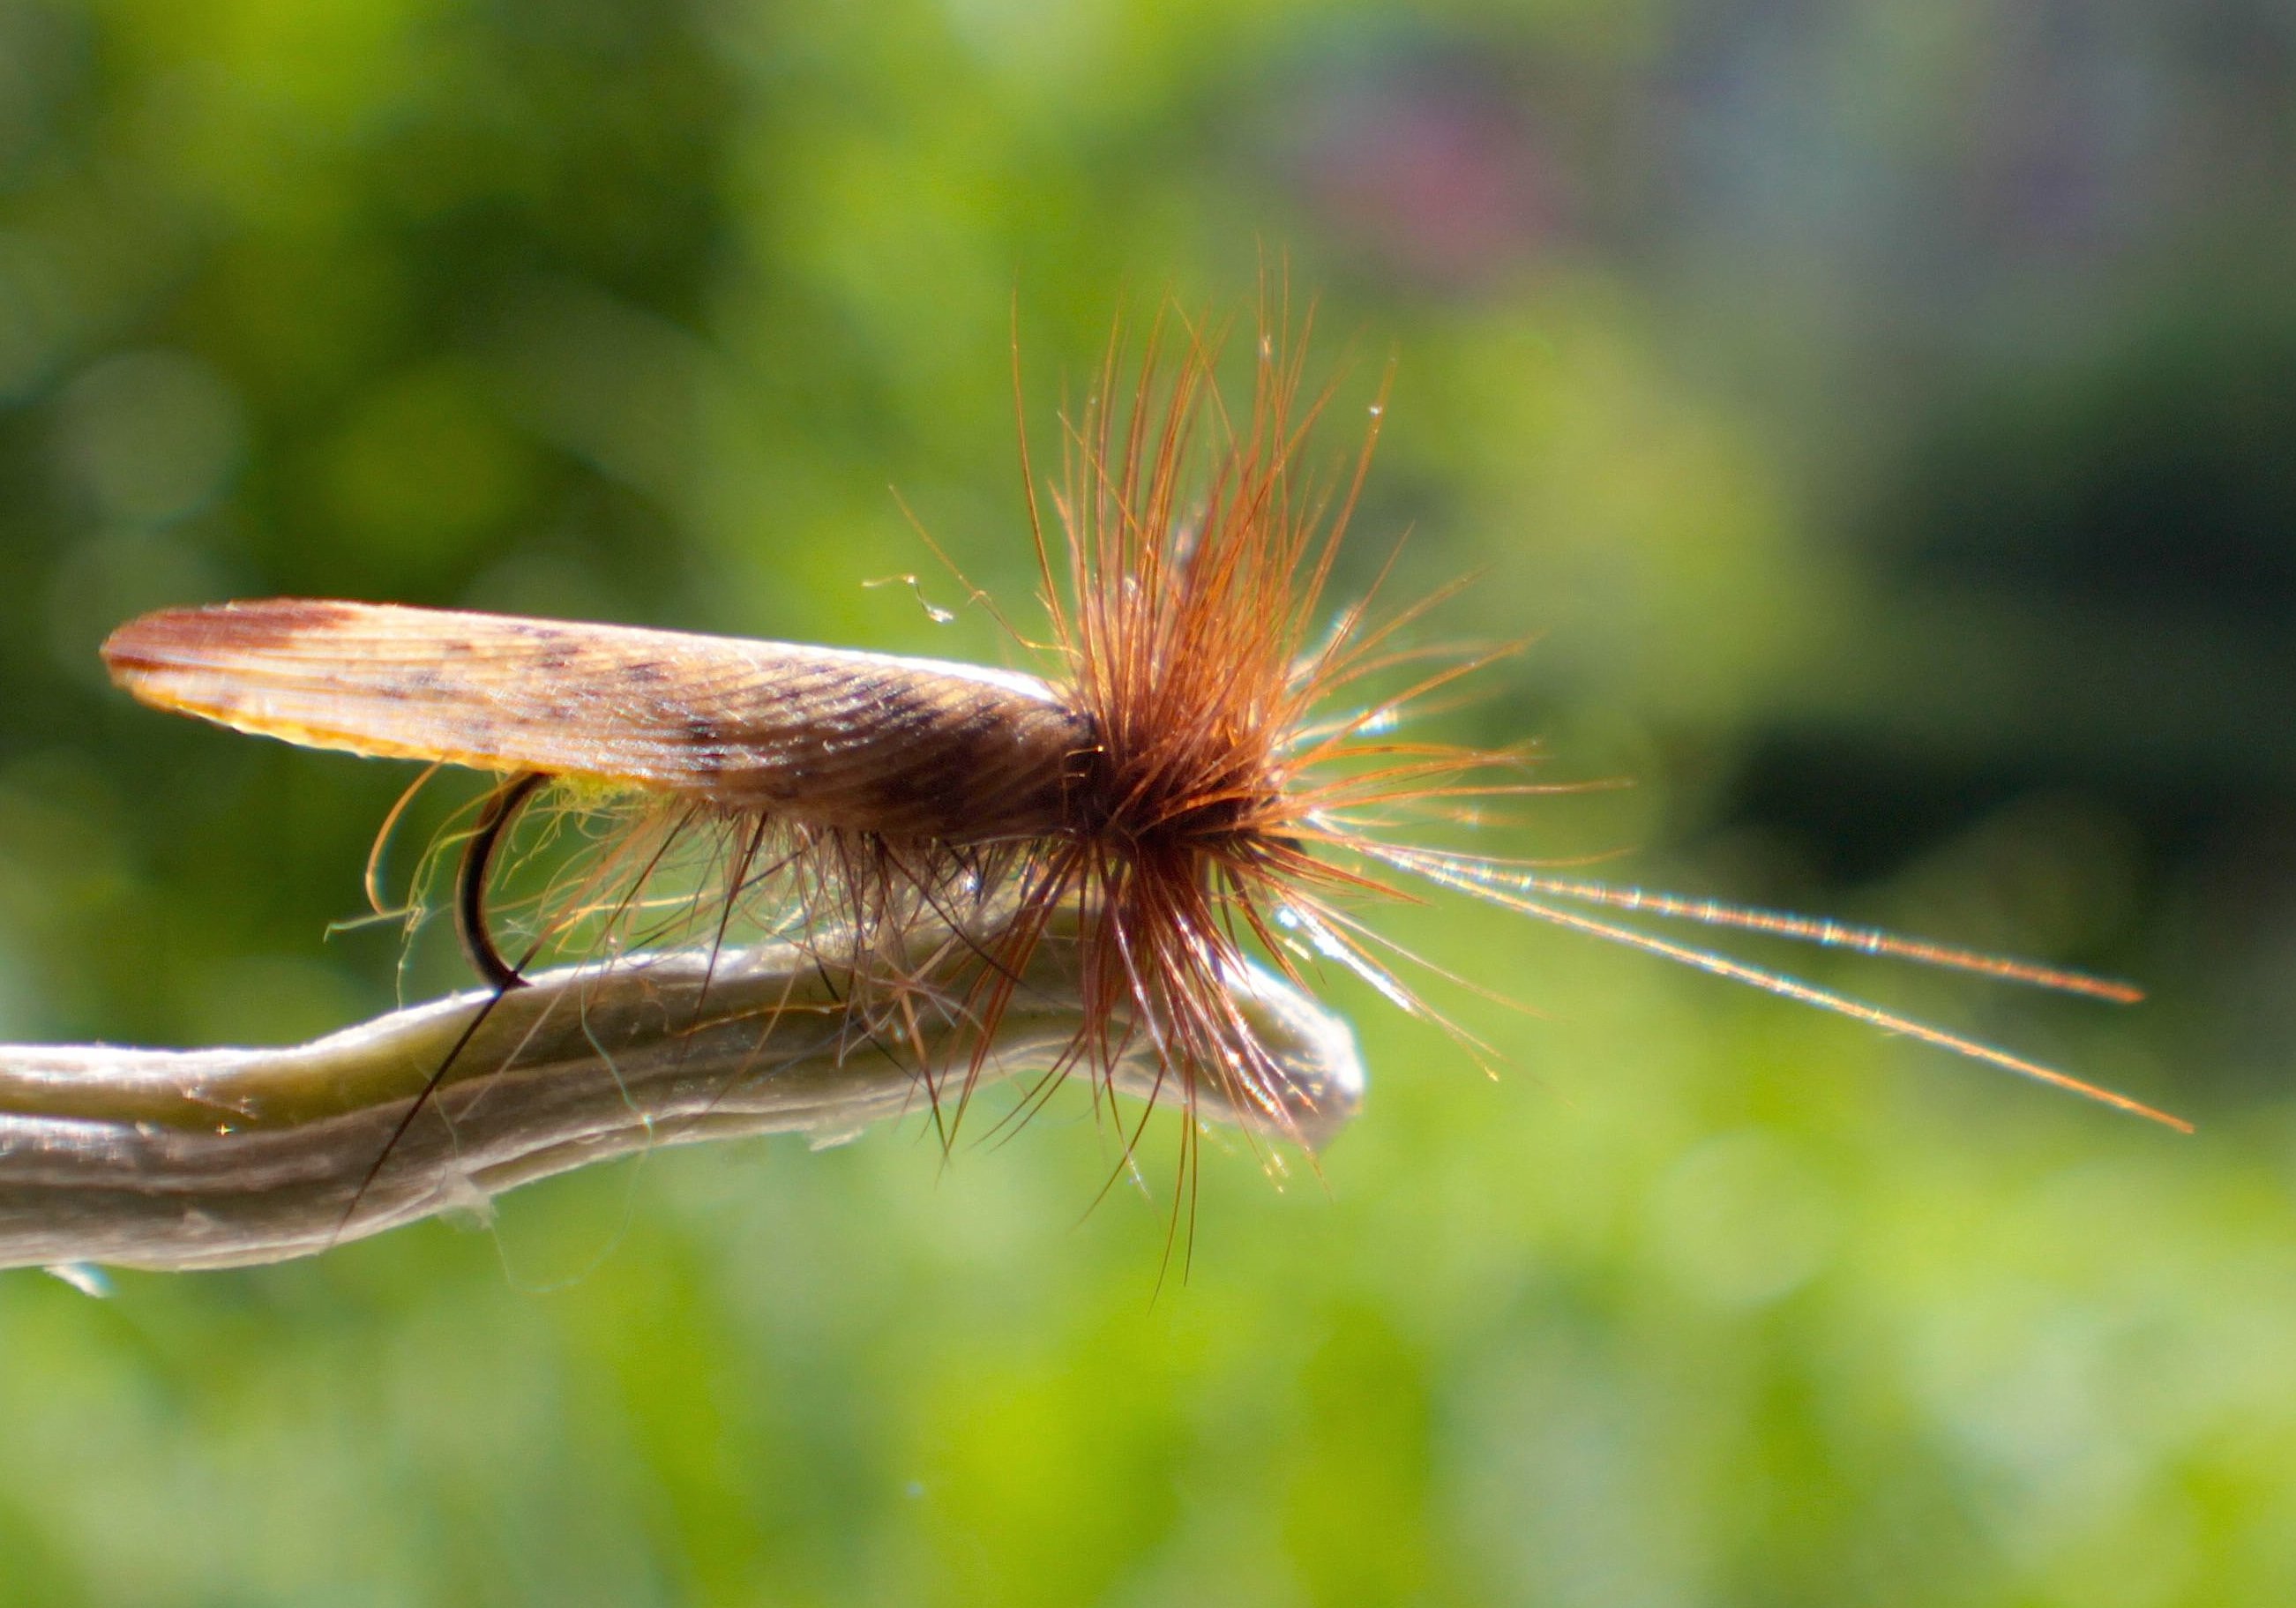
{"x":189,"y":1158}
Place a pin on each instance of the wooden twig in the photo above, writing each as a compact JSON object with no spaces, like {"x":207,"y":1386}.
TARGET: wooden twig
{"x":189,"y":1158}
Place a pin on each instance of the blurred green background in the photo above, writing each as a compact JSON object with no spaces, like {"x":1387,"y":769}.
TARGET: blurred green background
{"x":1883,"y":416}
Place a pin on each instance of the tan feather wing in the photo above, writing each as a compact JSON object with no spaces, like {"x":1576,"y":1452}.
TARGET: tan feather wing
{"x":823,"y":736}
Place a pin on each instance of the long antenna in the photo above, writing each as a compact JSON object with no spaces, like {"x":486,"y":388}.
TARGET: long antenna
{"x":1492,"y":890}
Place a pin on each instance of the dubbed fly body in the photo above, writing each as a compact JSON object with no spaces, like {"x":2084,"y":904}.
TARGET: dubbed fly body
{"x":1201,"y":773}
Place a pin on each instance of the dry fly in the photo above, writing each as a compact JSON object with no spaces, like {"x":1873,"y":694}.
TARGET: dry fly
{"x":1203,"y":775}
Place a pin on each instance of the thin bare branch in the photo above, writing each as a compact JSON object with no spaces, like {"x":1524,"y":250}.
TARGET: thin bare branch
{"x":188,"y":1159}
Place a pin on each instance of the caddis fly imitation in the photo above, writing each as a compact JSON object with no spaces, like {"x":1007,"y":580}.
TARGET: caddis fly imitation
{"x":1195,"y":780}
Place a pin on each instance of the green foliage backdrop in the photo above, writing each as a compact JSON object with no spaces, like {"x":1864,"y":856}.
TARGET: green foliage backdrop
{"x":1881,"y":415}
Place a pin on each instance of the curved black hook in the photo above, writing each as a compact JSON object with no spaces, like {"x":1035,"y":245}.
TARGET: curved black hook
{"x":471,"y":880}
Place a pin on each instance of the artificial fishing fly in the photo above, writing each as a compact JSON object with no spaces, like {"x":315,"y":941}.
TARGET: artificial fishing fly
{"x":1189,"y":781}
